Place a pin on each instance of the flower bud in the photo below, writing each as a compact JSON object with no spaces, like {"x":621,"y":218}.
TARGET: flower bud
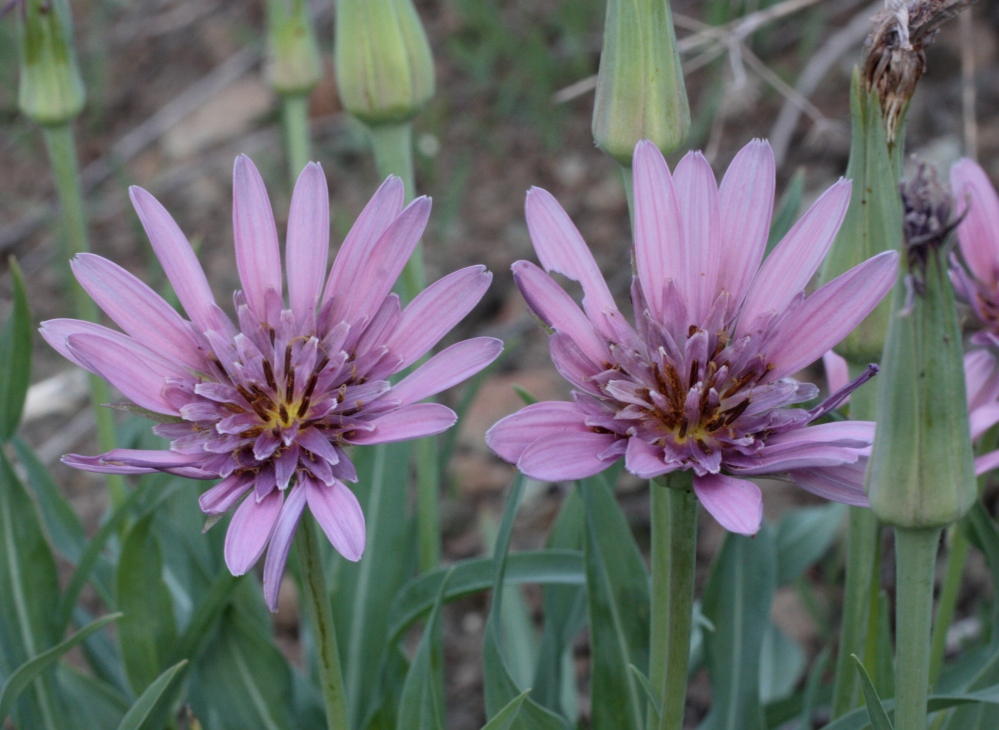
{"x":50,"y":89}
{"x":384,"y":67}
{"x":292,"y":57}
{"x":921,"y":470}
{"x":873,"y":222}
{"x":640,"y":91}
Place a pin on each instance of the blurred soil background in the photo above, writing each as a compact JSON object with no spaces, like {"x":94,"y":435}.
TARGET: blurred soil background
{"x":176,"y":92}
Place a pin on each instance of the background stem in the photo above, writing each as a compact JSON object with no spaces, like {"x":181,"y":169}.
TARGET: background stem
{"x":62,"y":156}
{"x":317,"y":601}
{"x":957,"y":556}
{"x":295,"y":121}
{"x":674,"y":557}
{"x":915,"y":561}
{"x":393,"y":148}
{"x":862,"y":553}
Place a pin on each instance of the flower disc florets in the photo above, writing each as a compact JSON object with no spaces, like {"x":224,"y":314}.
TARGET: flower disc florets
{"x":269,"y":405}
{"x":700,"y":382}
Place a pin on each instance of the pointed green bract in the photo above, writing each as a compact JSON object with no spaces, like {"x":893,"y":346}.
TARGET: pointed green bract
{"x":50,"y":90}
{"x":921,"y":471}
{"x":640,"y":91}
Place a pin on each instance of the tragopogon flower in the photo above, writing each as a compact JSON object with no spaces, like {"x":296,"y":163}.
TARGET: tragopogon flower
{"x":700,"y":381}
{"x":977,"y":282}
{"x":270,"y":404}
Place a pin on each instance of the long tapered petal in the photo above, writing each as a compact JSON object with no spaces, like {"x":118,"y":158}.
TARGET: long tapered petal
{"x":435,"y":311}
{"x":746,"y":203}
{"x":177,"y":258}
{"x":409,"y":422}
{"x":338,"y":512}
{"x":129,"y":367}
{"x":258,"y":256}
{"x":831,"y":313}
{"x":659,"y":242}
{"x":510,"y":436}
{"x":564,"y":456}
{"x":791,"y":265}
{"x":844,"y":484}
{"x":250,"y":530}
{"x":560,"y":248}
{"x":57,"y":331}
{"x":737,"y":504}
{"x":308,"y":242}
{"x":978,"y":233}
{"x":137,"y":309}
{"x":837,"y":371}
{"x":280,"y":544}
{"x":220,"y":498}
{"x":447,"y":368}
{"x":645,"y":460}
{"x":981,"y":377}
{"x":697,"y":196}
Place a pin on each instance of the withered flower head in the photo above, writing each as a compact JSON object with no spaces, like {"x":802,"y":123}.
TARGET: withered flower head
{"x":895,"y":56}
{"x":928,"y":220}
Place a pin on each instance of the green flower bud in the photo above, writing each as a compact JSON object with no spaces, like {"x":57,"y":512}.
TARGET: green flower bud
{"x":384,"y":67}
{"x":51,"y":89}
{"x":640,"y":91}
{"x":873,"y":222}
{"x":921,"y":472}
{"x":292,"y":65}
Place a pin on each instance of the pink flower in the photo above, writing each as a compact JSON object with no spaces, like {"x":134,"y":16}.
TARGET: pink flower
{"x":269,"y":405}
{"x":977,"y":282}
{"x":700,"y":383}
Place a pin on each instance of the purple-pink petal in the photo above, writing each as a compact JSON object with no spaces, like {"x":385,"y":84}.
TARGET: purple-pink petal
{"x":220,"y":498}
{"x":837,"y":371}
{"x":280,"y":544}
{"x":791,"y":265}
{"x":450,"y":366}
{"x":645,"y":460}
{"x":177,"y":258}
{"x":409,"y":422}
{"x":338,"y":512}
{"x":978,"y":233}
{"x":510,"y":436}
{"x":737,"y":504}
{"x":844,"y":484}
{"x":308,"y":241}
{"x":250,"y":530}
{"x":565,"y":456}
{"x":697,"y":196}
{"x":831,"y":313}
{"x":258,"y":257}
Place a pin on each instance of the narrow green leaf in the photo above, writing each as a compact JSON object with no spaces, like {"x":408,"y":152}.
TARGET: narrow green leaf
{"x":29,"y":592}
{"x":737,"y":601}
{"x":138,"y":713}
{"x":95,"y":703}
{"x":812,"y":690}
{"x":803,"y":536}
{"x":650,"y":696}
{"x":875,"y":710}
{"x":421,"y":705}
{"x":787,"y":210}
{"x":29,"y":671}
{"x":205,"y":616}
{"x":548,"y":567}
{"x":241,"y":679}
{"x":15,"y":357}
{"x":500,"y":688}
{"x":977,"y":717}
{"x":505,"y":717}
{"x":782,"y":664}
{"x":148,"y":630}
{"x":618,"y":607}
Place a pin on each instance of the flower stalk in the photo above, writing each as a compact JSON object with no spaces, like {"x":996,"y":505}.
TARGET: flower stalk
{"x":674,"y":558}
{"x":317,"y":603}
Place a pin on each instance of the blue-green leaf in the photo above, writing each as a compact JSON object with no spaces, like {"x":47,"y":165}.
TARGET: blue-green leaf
{"x":803,"y":536}
{"x":737,"y":601}
{"x":875,"y":710}
{"x":782,"y":664}
{"x":29,"y":671}
{"x":421,"y":706}
{"x":15,"y":357}
{"x":858,"y":719}
{"x":650,"y":695}
{"x":95,"y":703}
{"x":148,"y":630}
{"x":618,"y":606}
{"x":504,"y":718}
{"x":143,"y":706}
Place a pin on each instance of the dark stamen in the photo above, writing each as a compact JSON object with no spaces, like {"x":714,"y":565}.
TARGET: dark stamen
{"x":269,"y":375}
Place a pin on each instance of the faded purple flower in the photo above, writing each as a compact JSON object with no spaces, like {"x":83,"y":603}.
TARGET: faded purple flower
{"x":269,"y":405}
{"x":701,"y":381}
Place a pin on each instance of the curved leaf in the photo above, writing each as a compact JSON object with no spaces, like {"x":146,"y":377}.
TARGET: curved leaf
{"x":15,"y":357}
{"x":505,"y":717}
{"x":875,"y":710}
{"x":421,"y":706}
{"x":138,"y":713}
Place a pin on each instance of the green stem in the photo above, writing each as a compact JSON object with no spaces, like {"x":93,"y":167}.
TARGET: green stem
{"x":393,"y":148}
{"x":861,"y":572}
{"x":957,"y":556}
{"x":295,"y":121}
{"x":62,"y":156}
{"x":674,"y":558}
{"x":629,"y":190}
{"x":317,"y":601}
{"x":915,"y":561}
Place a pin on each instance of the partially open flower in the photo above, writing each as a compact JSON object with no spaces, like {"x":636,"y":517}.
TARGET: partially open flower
{"x":269,"y":403}
{"x":702,"y":380}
